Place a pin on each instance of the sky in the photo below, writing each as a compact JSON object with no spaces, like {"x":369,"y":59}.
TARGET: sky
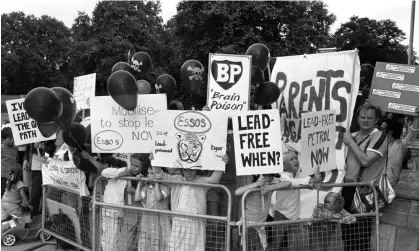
{"x":396,"y":10}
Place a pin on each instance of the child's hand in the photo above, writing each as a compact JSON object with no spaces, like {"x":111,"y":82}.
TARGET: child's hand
{"x":226,"y":159}
{"x":139,"y":176}
{"x":265,"y":190}
{"x":316,"y":178}
{"x":259,"y":183}
{"x":85,"y":155}
{"x":151,"y":157}
{"x":151,"y":177}
{"x":130,"y":190}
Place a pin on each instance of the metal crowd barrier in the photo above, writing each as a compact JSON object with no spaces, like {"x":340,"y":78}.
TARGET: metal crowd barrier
{"x":133,"y":227}
{"x":314,"y":233}
{"x":67,"y":217}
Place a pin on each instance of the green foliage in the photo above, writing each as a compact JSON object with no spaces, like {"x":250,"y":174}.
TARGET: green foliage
{"x":33,"y":52}
{"x":376,"y":40}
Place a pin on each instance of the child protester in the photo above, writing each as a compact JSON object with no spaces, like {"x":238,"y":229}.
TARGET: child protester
{"x":287,"y":202}
{"x":324,"y":233}
{"x":114,"y":193}
{"x":255,"y":211}
{"x":188,"y":233}
{"x":155,"y":228}
{"x":8,"y":155}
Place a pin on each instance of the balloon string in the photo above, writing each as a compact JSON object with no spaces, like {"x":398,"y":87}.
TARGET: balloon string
{"x":71,"y":135}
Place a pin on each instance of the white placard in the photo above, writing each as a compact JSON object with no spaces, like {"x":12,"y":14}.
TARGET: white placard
{"x":190,"y":139}
{"x":229,"y":82}
{"x":257,"y":142}
{"x":318,"y":139}
{"x":25,"y":130}
{"x":116,"y":130}
{"x":84,"y":89}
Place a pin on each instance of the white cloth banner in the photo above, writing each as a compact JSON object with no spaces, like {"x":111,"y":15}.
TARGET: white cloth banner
{"x":57,"y":171}
{"x":257,"y":142}
{"x":25,"y":130}
{"x":190,"y":139}
{"x":116,"y":130}
{"x":317,"y":82}
{"x":84,"y":90}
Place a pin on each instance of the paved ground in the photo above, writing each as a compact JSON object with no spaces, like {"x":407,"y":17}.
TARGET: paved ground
{"x":30,"y":243}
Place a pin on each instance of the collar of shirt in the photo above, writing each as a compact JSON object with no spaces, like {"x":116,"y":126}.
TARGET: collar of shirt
{"x":287,"y":174}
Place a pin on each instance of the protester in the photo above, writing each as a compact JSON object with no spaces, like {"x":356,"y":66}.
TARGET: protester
{"x":412,"y":132}
{"x":396,"y":149}
{"x":256,"y":211}
{"x":287,"y":202}
{"x":323,"y":233}
{"x":188,"y":233}
{"x":8,"y":156}
{"x":155,"y":228}
{"x":14,"y":199}
{"x":365,"y":162}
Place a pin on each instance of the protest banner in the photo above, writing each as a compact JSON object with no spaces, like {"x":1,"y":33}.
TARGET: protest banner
{"x":25,"y":130}
{"x":116,"y":130}
{"x":190,"y":139}
{"x":317,"y":82}
{"x":229,"y":82}
{"x":57,"y":171}
{"x":257,"y":141}
{"x":395,"y":88}
{"x":84,"y":89}
{"x":318,"y":139}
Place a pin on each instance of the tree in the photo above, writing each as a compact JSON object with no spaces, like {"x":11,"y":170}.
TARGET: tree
{"x":114,"y":29}
{"x":286,"y":28}
{"x":376,"y":40}
{"x":33,"y":52}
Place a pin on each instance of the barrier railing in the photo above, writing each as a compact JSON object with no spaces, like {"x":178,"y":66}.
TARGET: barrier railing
{"x":313,"y":233}
{"x":134,"y":227}
{"x":66,"y":216}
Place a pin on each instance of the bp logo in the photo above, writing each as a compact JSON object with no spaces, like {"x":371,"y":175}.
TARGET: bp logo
{"x":226,"y":73}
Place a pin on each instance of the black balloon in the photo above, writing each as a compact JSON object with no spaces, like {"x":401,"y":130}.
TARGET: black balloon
{"x":257,"y":77}
{"x":260,"y":55}
{"x":69,"y":107}
{"x":141,"y":63}
{"x":166,"y":84}
{"x":75,"y":136}
{"x":123,"y":89}
{"x":47,"y":130}
{"x":144,"y":87}
{"x":176,"y":105}
{"x":43,"y":105}
{"x":266,"y":94}
{"x":192,"y":75}
{"x":122,"y":66}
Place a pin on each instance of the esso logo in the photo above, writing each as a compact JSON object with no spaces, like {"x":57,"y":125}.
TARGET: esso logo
{"x":194,"y":122}
{"x":226,"y":73}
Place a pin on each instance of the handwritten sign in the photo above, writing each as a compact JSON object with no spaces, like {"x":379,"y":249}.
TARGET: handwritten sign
{"x":318,"y":139}
{"x":190,"y":139}
{"x":25,"y":130}
{"x":317,"y":82}
{"x":64,"y":173}
{"x":395,"y":88}
{"x":116,"y":130}
{"x":229,"y":82}
{"x":257,"y":142}
{"x":84,"y":90}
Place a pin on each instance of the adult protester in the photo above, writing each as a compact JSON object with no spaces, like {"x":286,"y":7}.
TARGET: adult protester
{"x":365,"y":162}
{"x":396,"y":149}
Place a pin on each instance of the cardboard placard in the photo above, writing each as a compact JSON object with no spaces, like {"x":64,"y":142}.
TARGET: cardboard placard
{"x":190,"y":139}
{"x":116,"y":130}
{"x":84,"y":89}
{"x":25,"y":130}
{"x":229,"y":82}
{"x":395,"y":88}
{"x":257,"y":142}
{"x":318,"y":139}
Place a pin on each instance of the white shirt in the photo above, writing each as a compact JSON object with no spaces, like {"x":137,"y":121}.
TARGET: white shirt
{"x":115,"y":189}
{"x":288,"y":201}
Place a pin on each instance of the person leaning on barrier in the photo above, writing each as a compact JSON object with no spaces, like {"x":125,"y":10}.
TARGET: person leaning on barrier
{"x":365,"y":162}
